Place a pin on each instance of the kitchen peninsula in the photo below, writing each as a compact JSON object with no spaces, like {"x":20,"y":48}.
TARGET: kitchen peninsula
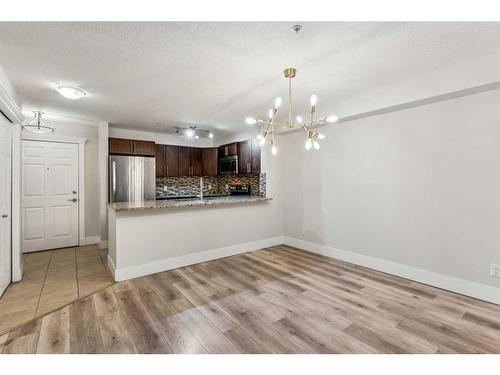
{"x":154,"y":236}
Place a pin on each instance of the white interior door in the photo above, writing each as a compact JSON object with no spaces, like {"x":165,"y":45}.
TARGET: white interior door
{"x":50,"y":195}
{"x":5,"y":204}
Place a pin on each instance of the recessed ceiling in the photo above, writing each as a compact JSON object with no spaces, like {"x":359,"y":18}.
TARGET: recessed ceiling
{"x":154,"y":75}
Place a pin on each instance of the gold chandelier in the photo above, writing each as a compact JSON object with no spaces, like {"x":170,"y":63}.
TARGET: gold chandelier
{"x":269,"y":127}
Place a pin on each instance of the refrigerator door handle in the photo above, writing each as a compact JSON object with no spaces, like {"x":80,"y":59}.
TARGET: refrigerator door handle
{"x":114,"y":180}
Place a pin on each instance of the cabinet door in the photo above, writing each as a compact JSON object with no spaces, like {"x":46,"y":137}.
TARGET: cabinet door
{"x":255,"y":162}
{"x":195,"y":161}
{"x":230,"y":149}
{"x":171,"y":161}
{"x":184,"y":161}
{"x":244,"y":157}
{"x":120,"y":146}
{"x":160,"y":160}
{"x":209,"y":161}
{"x":144,"y":148}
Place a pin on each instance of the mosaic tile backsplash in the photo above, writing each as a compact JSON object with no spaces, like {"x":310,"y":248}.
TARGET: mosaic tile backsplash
{"x":170,"y":187}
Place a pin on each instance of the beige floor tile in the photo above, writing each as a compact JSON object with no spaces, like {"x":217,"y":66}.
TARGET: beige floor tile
{"x":93,"y":283}
{"x":63,"y":258}
{"x":51,"y":301}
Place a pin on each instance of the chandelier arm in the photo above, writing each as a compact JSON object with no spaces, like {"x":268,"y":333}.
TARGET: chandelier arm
{"x":290,"y":121}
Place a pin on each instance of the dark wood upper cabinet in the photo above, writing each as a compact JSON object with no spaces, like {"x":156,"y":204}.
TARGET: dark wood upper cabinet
{"x":184,"y":161}
{"x":143,"y":148}
{"x":160,"y":160}
{"x":230,"y":149}
{"x":171,"y":161}
{"x":120,"y":146}
{"x":255,"y":156}
{"x":209,"y":161}
{"x":244,"y":157}
{"x":195,"y":161}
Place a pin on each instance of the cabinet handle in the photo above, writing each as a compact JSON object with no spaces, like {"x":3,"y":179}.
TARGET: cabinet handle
{"x":248,"y":167}
{"x":167,"y":170}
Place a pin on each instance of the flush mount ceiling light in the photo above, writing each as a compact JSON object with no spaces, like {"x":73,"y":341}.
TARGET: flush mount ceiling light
{"x":71,"y":92}
{"x":269,"y":126}
{"x":194,"y":132}
{"x":37,"y":125}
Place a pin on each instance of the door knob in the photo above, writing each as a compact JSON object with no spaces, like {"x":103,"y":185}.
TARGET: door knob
{"x":72,"y":200}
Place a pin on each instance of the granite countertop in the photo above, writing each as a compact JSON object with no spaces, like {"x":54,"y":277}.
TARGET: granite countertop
{"x":185,"y":202}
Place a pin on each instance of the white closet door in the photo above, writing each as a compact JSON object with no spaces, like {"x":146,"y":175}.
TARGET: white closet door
{"x":5,"y":204}
{"x":50,"y":195}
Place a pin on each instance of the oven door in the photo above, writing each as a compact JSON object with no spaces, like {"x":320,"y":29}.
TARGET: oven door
{"x":228,"y":165}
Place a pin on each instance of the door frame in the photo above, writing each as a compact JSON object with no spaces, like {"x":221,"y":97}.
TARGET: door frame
{"x":81,"y":174}
{"x":11,"y":110}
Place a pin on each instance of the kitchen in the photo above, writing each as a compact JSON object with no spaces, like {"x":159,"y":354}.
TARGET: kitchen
{"x":159,"y":190}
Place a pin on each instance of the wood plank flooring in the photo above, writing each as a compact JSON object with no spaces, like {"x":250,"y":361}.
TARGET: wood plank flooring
{"x":52,"y":279}
{"x":276,"y":300}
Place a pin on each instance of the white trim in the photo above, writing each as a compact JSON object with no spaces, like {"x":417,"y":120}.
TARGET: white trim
{"x":91,"y":240}
{"x":453,"y":284}
{"x":81,"y":173}
{"x":17,"y":264}
{"x":111,"y":267}
{"x":52,"y":138}
{"x":126,"y":273}
{"x":9,"y":107}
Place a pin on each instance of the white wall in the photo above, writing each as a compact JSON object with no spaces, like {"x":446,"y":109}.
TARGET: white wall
{"x":418,"y":187}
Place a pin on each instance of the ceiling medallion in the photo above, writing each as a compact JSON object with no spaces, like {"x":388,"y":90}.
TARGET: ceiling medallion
{"x":37,"y":125}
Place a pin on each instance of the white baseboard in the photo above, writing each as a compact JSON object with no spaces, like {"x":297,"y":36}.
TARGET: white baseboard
{"x":112,"y":267}
{"x":126,"y":273}
{"x":103,"y":244}
{"x":453,"y":284}
{"x":91,"y":240}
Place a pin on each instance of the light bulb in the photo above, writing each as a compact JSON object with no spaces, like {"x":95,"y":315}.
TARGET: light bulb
{"x":71,"y":92}
{"x":314,"y":100}
{"x":262,"y":141}
{"x":210,"y":135}
{"x":189,"y":133}
{"x":250,"y":121}
{"x":299,"y":120}
{"x":316,"y":145}
{"x":196,"y":136}
{"x":271,"y":114}
{"x":277,"y":102}
{"x":274,"y":150}
{"x":308,"y":144}
{"x":321,"y":136}
{"x":332,"y":119}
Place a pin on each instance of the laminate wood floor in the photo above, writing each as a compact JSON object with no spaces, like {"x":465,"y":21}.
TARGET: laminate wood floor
{"x":276,"y":300}
{"x":52,"y":279}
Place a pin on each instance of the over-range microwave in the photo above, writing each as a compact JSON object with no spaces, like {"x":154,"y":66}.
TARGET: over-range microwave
{"x":228,"y":165}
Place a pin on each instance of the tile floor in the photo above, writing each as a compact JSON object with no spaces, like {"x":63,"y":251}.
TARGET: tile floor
{"x":52,"y":279}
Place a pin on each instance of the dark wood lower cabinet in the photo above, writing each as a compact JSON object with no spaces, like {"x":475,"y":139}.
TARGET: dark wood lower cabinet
{"x":209,"y":161}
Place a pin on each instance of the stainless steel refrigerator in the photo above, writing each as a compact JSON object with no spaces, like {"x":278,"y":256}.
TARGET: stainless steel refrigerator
{"x":131,"y":178}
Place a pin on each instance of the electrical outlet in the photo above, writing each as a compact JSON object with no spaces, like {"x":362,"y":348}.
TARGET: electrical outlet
{"x":209,"y":187}
{"x":165,"y":188}
{"x":495,"y":270}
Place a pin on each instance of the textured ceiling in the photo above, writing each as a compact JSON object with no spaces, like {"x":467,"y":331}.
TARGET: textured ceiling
{"x":157,"y":75}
